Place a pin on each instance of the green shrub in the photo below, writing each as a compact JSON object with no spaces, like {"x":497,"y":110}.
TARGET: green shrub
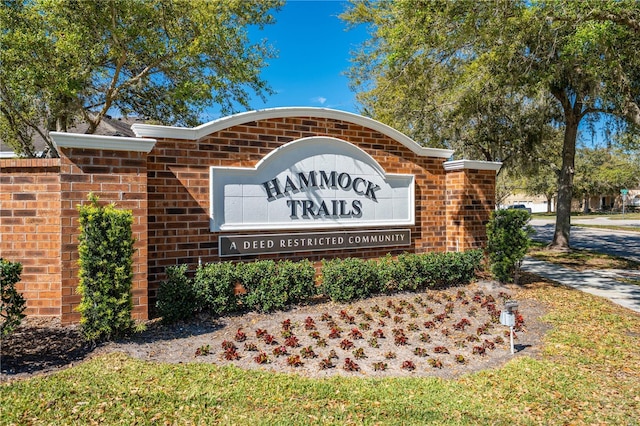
{"x":348,"y":279}
{"x":411,"y":272}
{"x":106,"y":257}
{"x":265,"y":291}
{"x":214,"y":287}
{"x":176,"y":296}
{"x":508,"y":236}
{"x":12,"y":304}
{"x":298,"y":279}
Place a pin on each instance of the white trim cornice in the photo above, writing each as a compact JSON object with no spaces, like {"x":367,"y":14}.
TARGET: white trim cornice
{"x":110,"y":143}
{"x":471,"y":164}
{"x":195,"y":133}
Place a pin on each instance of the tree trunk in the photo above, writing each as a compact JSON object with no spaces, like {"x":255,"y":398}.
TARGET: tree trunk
{"x":565,"y":185}
{"x":585,"y":204}
{"x":549,"y":201}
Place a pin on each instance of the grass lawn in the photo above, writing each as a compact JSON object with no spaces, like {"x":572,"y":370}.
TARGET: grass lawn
{"x":589,"y":374}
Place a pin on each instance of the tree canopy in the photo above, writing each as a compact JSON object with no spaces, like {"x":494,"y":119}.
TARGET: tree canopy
{"x":493,"y":79}
{"x":62,"y":62}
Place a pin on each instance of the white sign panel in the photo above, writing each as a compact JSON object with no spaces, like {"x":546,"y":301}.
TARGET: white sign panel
{"x":311,"y":183}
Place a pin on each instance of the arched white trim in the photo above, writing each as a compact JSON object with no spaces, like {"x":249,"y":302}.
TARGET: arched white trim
{"x":195,"y":133}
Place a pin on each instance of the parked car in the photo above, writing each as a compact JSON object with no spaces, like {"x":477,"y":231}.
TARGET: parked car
{"x":519,"y":206}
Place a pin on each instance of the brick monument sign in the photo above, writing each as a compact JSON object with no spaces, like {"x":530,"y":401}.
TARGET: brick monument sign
{"x":278,"y":183}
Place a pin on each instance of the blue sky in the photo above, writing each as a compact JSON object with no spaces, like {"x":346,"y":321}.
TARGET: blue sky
{"x":314,"y":50}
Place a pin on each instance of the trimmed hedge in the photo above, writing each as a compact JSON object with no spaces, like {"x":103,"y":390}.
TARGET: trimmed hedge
{"x":176,"y":295}
{"x":214,"y":287}
{"x":348,"y":279}
{"x":508,"y":239}
{"x":274,"y":285}
{"x":106,"y":274}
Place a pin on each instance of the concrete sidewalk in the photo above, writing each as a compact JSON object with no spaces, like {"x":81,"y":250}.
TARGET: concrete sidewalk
{"x":599,"y":283}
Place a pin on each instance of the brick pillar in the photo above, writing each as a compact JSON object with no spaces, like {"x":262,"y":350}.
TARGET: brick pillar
{"x":30,"y":229}
{"x":114,"y":169}
{"x":470,"y":194}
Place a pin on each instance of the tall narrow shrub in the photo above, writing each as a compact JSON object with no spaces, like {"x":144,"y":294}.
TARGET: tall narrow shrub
{"x":106,"y":275}
{"x":508,"y":234}
{"x":12,"y":304}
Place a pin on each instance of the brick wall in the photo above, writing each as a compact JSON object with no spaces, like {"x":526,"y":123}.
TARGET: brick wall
{"x":30,"y":229}
{"x":179,"y":186}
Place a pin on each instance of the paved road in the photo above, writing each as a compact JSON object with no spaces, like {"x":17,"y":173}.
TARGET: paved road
{"x":618,"y":243}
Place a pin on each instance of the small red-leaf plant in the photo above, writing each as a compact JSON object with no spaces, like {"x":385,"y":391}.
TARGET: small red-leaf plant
{"x":226,"y":344}
{"x":292,"y":342}
{"x":326,"y":363}
{"x":240,"y":336}
{"x":308,"y":352}
{"x":344,"y":315}
{"x":429,"y":325}
{"x":425,"y":337}
{"x":322,"y":343}
{"x":349,"y":365}
{"x":390,"y":355}
{"x":462,"y":324}
{"x":270,"y":340}
{"x":294,"y":361}
{"x":429,"y":311}
{"x":385,"y":313}
{"x":378,"y":334}
{"x":420,"y":352}
{"x":314,"y":335}
{"x":333,"y":354}
{"x":250,"y":347}
{"x":413,"y":327}
{"x":364,"y":325}
{"x":435,"y":362}
{"x":309,"y":324}
{"x":441,"y":350}
{"x":286,"y":324}
{"x":355,"y":334}
{"x":449,"y":307}
{"x":373,"y":342}
{"x":261,"y":358}
{"x":325,"y":317}
{"x":379,"y":366}
{"x":498,"y":340}
{"x":346,"y":344}
{"x":401,"y":340}
{"x":488,"y":344}
{"x":334,"y":333}
{"x":203,"y":350}
{"x":231,"y":354}
{"x":260,"y":333}
{"x":460,"y":359}
{"x":479,"y":350}
{"x":472,"y":338}
{"x":398,"y":319}
{"x":408,"y":365}
{"x":280,"y":351}
{"x":445,"y":331}
{"x":359,"y":354}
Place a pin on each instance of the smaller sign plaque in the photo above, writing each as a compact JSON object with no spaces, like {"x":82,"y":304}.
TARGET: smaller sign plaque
{"x":245,"y":245}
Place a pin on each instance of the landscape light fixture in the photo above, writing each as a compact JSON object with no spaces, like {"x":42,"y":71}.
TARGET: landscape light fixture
{"x":508,"y":318}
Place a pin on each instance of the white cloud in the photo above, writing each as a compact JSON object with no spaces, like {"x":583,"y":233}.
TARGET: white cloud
{"x":321,"y":100}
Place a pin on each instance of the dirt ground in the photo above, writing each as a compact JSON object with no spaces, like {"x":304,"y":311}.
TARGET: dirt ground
{"x":442,"y":333}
